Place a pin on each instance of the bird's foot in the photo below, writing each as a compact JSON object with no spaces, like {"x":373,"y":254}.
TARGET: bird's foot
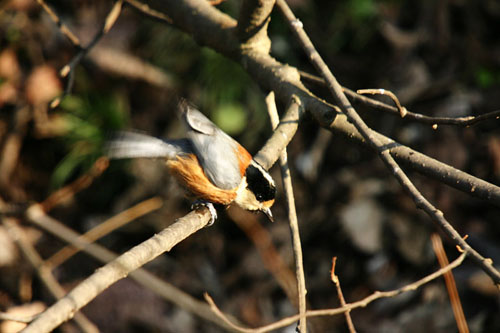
{"x":213,"y":212}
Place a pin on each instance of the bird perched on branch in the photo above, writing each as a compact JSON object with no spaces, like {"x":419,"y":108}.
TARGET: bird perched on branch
{"x":209,"y":164}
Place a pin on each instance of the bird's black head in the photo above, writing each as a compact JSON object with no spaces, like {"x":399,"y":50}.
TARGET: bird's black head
{"x":260,"y":183}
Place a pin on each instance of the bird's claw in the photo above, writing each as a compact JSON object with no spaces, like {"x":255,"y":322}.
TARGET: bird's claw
{"x":213,"y":212}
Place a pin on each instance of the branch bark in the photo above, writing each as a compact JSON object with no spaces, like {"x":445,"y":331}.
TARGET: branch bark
{"x":119,"y":268}
{"x":141,"y":276}
{"x":369,"y":135}
{"x":252,"y":24}
{"x":212,"y":28}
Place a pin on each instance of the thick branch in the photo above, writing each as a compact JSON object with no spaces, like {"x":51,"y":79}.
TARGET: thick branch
{"x":207,"y":25}
{"x":285,"y":81}
{"x":160,"y":287}
{"x":252,"y":24}
{"x":115,"y":270}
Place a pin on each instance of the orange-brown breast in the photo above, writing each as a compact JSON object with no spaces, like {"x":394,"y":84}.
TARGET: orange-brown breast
{"x":188,"y":172}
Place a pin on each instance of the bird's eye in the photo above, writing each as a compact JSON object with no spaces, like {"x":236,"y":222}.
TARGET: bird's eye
{"x":259,"y":197}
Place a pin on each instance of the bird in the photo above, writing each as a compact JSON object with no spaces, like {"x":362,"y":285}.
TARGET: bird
{"x":212,"y":166}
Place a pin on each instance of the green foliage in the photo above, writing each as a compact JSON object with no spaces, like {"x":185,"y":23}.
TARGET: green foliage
{"x":225,"y":85}
{"x":231,"y":117}
{"x":88,"y":122}
{"x":486,"y":77}
{"x":360,"y":10}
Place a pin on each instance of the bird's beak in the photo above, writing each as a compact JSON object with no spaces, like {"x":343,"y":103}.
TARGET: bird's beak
{"x":268,"y":213}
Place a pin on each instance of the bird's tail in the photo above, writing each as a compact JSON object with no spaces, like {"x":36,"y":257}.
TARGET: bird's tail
{"x":136,"y":145}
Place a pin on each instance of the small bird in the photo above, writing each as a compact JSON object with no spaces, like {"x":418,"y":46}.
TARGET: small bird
{"x":209,"y":164}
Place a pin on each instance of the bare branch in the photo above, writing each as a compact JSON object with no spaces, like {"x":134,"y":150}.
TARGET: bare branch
{"x":17,"y":318}
{"x":282,"y":135}
{"x":384,"y":153}
{"x":252,"y":24}
{"x":43,"y":271}
{"x":149,"y":11}
{"x":81,"y":183}
{"x":63,"y":27}
{"x":162,"y":288}
{"x":331,"y":312}
{"x":69,"y":69}
{"x":212,"y":28}
{"x":336,"y":281}
{"x":292,"y":213}
{"x":105,"y":228}
{"x":381,"y":106}
{"x":119,"y":268}
{"x":402,"y":110}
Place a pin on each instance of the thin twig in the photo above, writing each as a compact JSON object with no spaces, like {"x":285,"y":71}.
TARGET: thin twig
{"x":149,"y":11}
{"x":292,"y":214}
{"x":402,"y":110}
{"x":336,"y":281}
{"x":383,"y":151}
{"x":68,"y":191}
{"x":331,"y":312}
{"x":456,"y":305}
{"x":106,"y":228}
{"x":63,"y":27}
{"x":44,"y":273}
{"x":69,"y":69}
{"x":378,"y":105}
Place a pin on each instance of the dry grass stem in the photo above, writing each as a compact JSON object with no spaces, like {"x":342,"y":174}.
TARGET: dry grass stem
{"x":105,"y":228}
{"x":456,"y":305}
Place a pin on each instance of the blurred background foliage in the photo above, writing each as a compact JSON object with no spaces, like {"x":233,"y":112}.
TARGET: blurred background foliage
{"x":440,"y":57}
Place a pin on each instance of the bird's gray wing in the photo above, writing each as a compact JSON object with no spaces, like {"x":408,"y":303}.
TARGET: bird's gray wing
{"x":136,"y":145}
{"x":215,"y":150}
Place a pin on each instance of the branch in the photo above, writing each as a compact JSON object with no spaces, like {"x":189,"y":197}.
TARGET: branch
{"x":336,"y":281}
{"x":381,"y":106}
{"x":282,"y":135}
{"x":252,"y":24}
{"x":215,"y":29}
{"x":370,"y":137}
{"x":20,"y":319}
{"x":44,"y":273}
{"x":149,"y":11}
{"x":292,"y":213}
{"x":67,"y":192}
{"x":69,"y":69}
{"x":105,"y":228}
{"x":62,"y":27}
{"x":119,"y":268}
{"x":331,"y":312}
{"x":141,"y":276}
